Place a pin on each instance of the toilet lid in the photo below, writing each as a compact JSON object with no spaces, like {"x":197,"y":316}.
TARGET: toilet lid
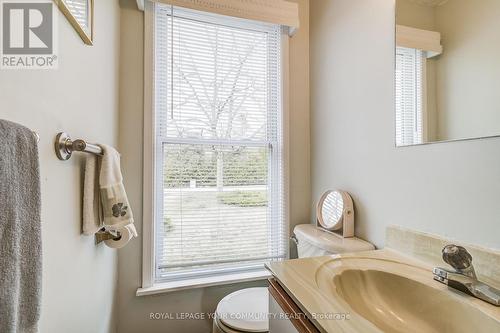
{"x":245,"y":310}
{"x":314,"y":235}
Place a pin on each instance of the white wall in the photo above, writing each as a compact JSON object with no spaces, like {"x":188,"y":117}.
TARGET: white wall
{"x":133,"y":312}
{"x":451,"y":189}
{"x":300,"y":123}
{"x":416,"y":15}
{"x":81,"y":97}
{"x":468,"y":71}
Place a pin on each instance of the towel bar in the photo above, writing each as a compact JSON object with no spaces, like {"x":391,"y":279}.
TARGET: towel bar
{"x":65,"y":147}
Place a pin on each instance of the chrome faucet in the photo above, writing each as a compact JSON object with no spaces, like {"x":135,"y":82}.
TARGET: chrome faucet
{"x":464,"y":277}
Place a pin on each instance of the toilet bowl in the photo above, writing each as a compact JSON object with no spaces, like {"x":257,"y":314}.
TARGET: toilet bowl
{"x":246,"y":310}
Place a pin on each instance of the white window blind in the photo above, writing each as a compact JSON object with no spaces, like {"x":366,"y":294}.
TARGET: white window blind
{"x":219,"y":144}
{"x":409,"y":96}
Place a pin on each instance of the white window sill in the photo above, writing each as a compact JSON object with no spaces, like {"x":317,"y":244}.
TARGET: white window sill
{"x":203,"y":282}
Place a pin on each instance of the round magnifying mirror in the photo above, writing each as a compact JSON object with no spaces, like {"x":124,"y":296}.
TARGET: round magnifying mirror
{"x":331,"y":209}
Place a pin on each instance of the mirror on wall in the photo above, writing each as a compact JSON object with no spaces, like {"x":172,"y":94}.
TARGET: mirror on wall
{"x":447,"y":75}
{"x":80,"y":14}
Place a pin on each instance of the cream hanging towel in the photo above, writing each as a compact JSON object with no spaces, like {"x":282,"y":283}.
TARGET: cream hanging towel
{"x":271,"y":11}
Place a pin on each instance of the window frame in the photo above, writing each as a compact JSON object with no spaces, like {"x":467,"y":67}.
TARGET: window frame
{"x":150,"y":200}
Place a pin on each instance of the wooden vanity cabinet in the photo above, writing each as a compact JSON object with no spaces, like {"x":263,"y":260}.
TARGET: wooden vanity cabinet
{"x":285,"y":316}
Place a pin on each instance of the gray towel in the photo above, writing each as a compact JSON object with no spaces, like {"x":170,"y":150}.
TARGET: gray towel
{"x":20,"y":234}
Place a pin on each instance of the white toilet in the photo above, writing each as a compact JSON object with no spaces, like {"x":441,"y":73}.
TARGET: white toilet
{"x":246,"y":310}
{"x":314,"y":242}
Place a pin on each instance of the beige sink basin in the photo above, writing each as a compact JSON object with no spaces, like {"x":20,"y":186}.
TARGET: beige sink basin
{"x":396,"y":297}
{"x":380,"y":291}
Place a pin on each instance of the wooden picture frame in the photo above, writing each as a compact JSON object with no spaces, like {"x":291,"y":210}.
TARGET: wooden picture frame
{"x":75,"y":18}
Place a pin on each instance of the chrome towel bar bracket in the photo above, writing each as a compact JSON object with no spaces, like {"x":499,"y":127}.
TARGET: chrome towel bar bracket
{"x":65,"y":147}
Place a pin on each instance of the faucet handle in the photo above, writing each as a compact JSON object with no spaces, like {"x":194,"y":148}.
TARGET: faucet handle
{"x":457,"y":257}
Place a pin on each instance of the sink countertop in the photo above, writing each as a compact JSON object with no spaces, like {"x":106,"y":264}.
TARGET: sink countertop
{"x":301,"y":280}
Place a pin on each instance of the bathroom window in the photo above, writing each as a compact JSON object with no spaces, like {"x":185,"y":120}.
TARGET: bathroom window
{"x":409,"y":96}
{"x":219,"y":198}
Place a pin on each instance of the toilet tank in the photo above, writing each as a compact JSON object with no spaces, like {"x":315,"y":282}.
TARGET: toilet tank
{"x":314,"y":242}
